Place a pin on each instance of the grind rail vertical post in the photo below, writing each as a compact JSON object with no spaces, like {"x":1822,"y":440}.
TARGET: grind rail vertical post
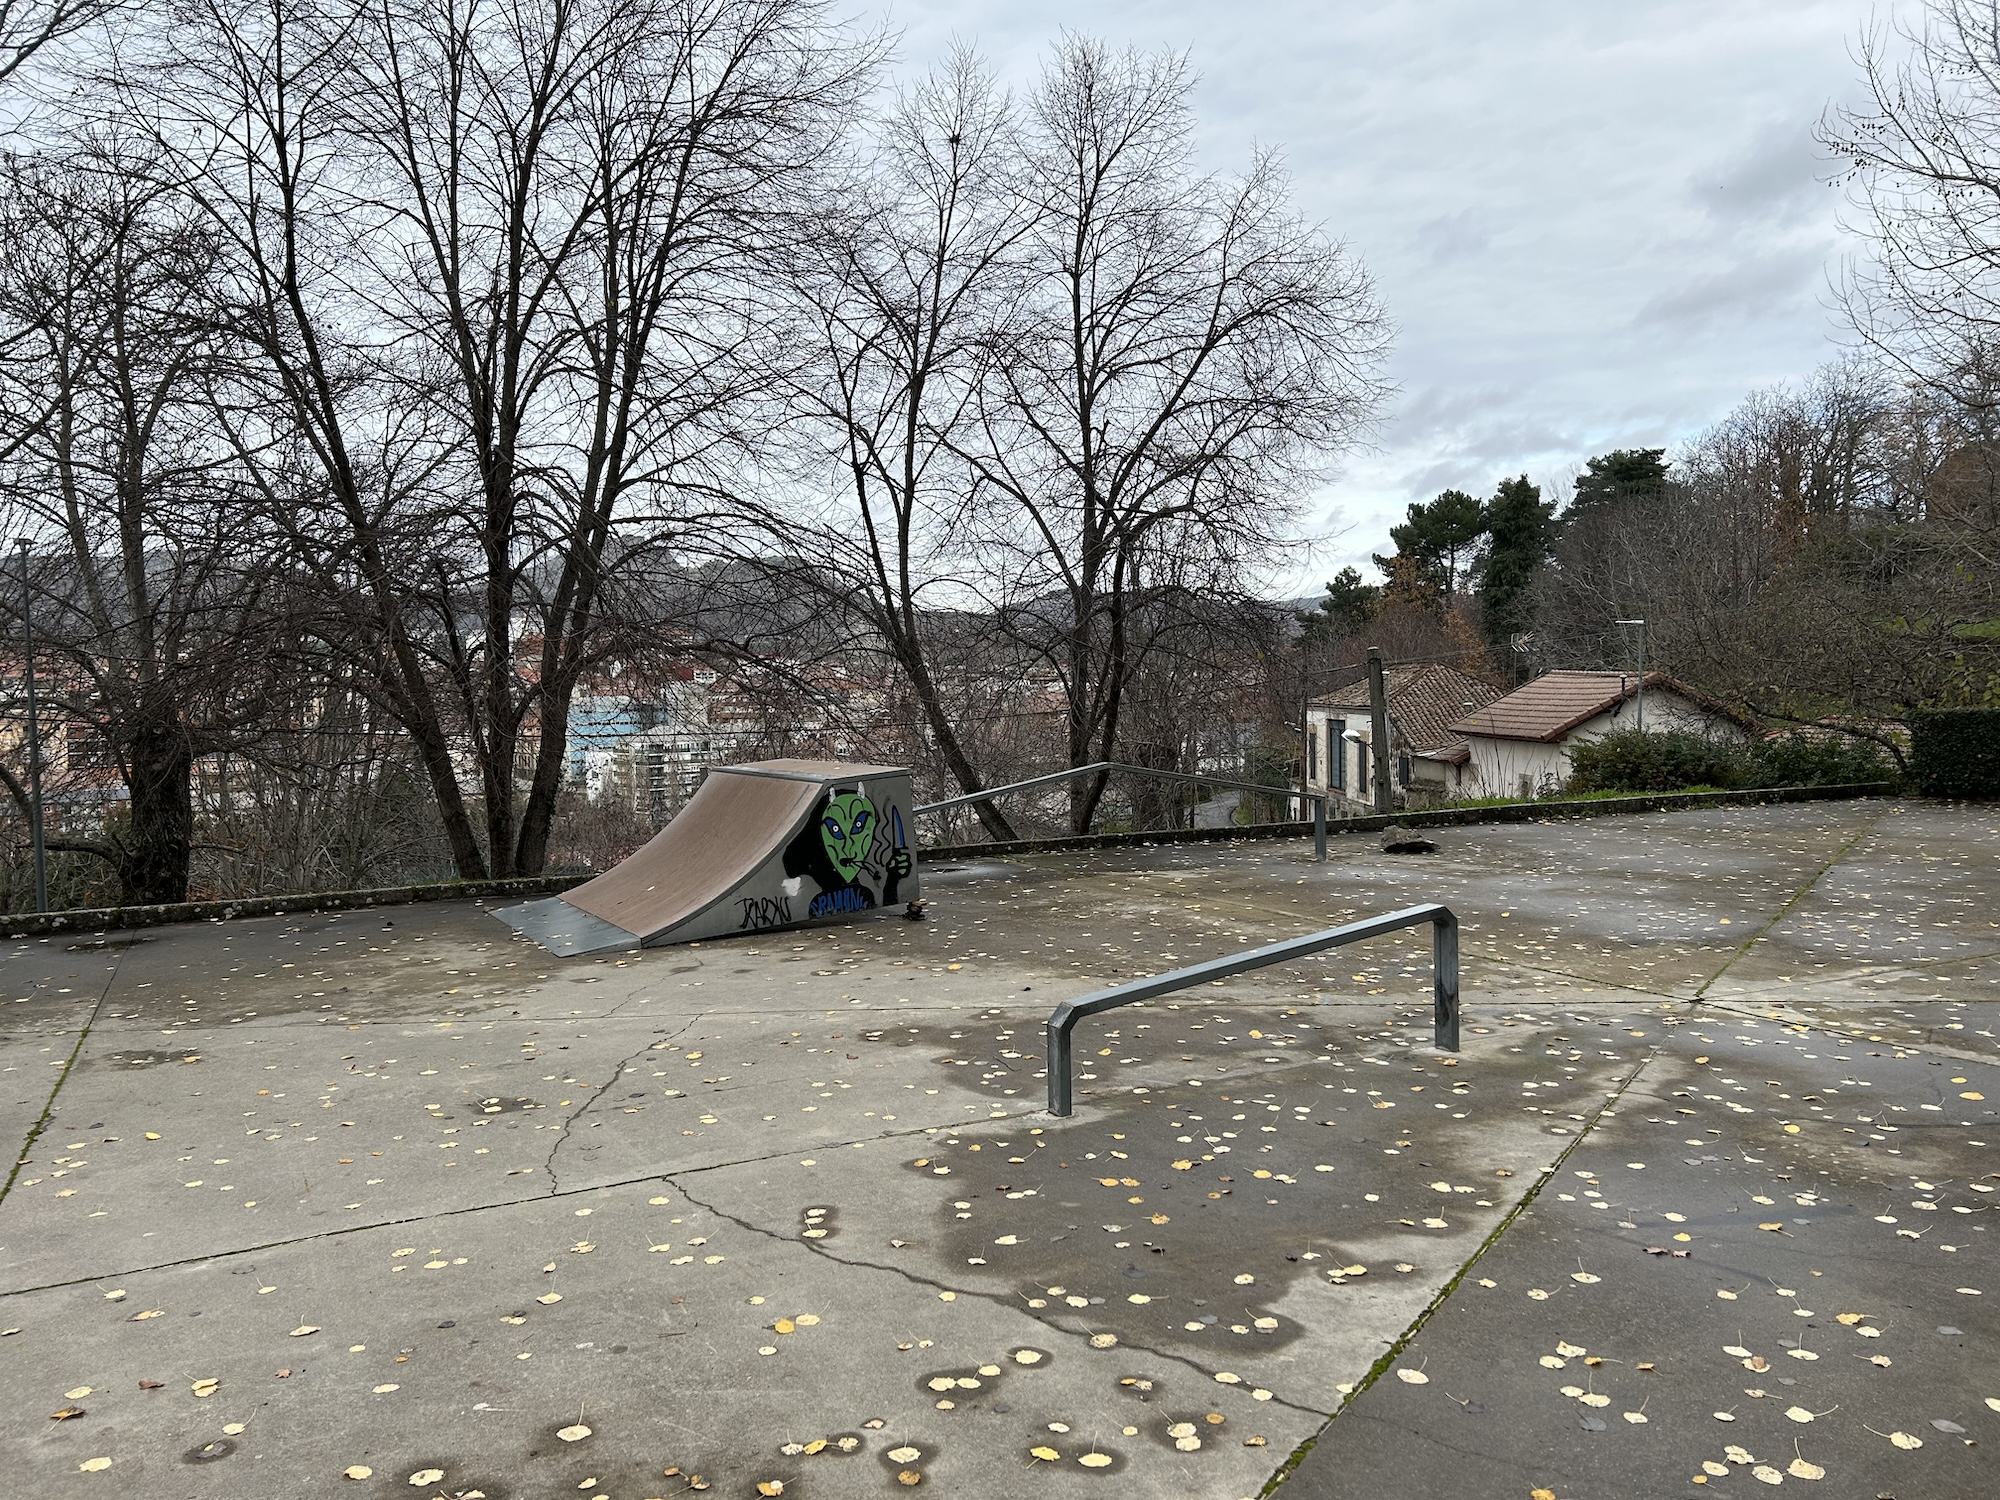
{"x":1444,"y":983}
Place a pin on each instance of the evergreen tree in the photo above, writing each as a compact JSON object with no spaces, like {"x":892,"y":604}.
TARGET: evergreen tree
{"x":1521,"y":531}
{"x":1622,"y":474}
{"x":1441,"y":539}
{"x":1347,"y":607}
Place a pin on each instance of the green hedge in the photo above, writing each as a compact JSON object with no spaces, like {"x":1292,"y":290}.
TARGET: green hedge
{"x":1955,"y":752}
{"x":1634,"y":761}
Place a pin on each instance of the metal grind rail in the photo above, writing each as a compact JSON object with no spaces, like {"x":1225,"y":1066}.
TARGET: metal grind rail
{"x":1317,"y":799}
{"x":1444,"y":983}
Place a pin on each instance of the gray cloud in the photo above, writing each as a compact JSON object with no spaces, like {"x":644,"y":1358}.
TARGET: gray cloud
{"x":1596,"y":225}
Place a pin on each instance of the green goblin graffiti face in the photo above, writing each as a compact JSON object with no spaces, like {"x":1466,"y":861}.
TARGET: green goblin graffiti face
{"x":848,"y":830}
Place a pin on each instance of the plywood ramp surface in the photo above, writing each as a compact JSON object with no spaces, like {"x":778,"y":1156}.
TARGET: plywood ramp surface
{"x":715,"y":843}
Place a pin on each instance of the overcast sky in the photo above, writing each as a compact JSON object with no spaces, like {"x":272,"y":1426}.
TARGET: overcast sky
{"x":1596,"y":223}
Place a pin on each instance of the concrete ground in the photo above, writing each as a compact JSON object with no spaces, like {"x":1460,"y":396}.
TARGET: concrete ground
{"x":392,"y":1195}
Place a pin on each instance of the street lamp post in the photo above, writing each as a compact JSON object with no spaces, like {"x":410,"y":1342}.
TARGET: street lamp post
{"x":34,"y":739}
{"x":1642,"y":669}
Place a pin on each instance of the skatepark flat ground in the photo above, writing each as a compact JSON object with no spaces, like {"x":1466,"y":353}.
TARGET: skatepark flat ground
{"x":391,"y":1203}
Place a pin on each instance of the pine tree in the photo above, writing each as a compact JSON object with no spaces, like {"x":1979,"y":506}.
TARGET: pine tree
{"x":1622,"y":474}
{"x":1347,"y":607}
{"x":1521,"y":531}
{"x":1441,"y":539}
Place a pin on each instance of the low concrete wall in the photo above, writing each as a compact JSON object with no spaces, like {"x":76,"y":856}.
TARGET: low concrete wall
{"x":1437,"y":817}
{"x":116,"y":918}
{"x":119,"y":918}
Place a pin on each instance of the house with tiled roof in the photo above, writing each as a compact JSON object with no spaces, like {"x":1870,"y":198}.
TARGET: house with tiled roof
{"x":1519,"y":745}
{"x":1426,"y":755}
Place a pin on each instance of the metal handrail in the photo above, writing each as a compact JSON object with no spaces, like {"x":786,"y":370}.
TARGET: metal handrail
{"x":1318,"y":799}
{"x":1444,"y":983}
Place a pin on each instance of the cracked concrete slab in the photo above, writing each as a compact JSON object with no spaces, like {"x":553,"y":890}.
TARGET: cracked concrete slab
{"x":785,"y":1211}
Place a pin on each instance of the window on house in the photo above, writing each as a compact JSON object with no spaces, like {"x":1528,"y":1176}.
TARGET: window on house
{"x":1336,"y":753}
{"x":1312,"y":755}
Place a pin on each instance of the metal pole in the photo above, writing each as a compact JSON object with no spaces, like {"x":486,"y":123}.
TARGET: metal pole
{"x":1059,"y":1025}
{"x":1319,"y":829}
{"x":1640,"y":707}
{"x":1378,"y":723}
{"x":34,"y":740}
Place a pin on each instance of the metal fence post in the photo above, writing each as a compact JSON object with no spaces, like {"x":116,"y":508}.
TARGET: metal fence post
{"x":1319,"y":829}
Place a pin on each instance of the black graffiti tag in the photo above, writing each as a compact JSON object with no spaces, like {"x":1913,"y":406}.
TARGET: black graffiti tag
{"x":760,"y":912}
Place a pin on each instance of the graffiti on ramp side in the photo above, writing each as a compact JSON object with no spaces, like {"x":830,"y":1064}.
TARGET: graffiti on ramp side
{"x":844,"y":852}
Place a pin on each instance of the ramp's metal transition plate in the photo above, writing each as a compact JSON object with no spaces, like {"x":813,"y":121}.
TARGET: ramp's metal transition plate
{"x":563,"y":929}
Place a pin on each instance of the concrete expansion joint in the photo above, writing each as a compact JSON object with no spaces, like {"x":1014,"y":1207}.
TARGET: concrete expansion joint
{"x":1778,"y":917}
{"x":1395,"y":1350}
{"x":1826,"y":1027}
{"x":49,"y":1105}
{"x":1594,"y":979}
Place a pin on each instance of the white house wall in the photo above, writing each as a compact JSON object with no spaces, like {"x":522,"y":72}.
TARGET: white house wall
{"x":1498,"y":767}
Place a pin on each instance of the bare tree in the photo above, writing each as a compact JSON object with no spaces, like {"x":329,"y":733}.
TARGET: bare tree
{"x":29,"y":26}
{"x":900,"y":296}
{"x":1186,"y":356}
{"x":1923,"y":158}
{"x":499,"y":264}
{"x":163,"y":604}
{"x":1822,"y":554}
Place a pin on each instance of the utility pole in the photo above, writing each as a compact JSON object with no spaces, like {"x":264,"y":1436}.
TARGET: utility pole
{"x":1378,"y":728}
{"x":1642,"y":670}
{"x":34,"y":738}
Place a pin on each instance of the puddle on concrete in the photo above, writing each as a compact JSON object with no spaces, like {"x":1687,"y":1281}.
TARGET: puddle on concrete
{"x":130,"y":1059}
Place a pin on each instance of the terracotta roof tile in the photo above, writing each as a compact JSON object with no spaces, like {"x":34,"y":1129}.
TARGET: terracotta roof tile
{"x":1553,"y":704}
{"x":1424,"y":699}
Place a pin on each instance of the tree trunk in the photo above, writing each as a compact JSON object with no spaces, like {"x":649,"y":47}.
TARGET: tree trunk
{"x":154,"y":848}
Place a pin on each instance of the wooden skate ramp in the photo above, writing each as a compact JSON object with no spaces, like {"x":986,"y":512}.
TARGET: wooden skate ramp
{"x":716,"y":842}
{"x":725,"y":849}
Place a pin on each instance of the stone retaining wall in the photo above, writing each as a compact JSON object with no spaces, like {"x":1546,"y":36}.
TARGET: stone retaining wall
{"x":1437,"y":817}
{"x":110,"y":919}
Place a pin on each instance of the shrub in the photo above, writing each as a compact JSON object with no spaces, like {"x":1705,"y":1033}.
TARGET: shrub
{"x":1798,"y":759}
{"x":1632,"y":760}
{"x":1955,"y":752}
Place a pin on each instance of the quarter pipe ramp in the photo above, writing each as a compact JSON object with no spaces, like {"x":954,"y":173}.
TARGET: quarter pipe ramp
{"x":761,"y":846}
